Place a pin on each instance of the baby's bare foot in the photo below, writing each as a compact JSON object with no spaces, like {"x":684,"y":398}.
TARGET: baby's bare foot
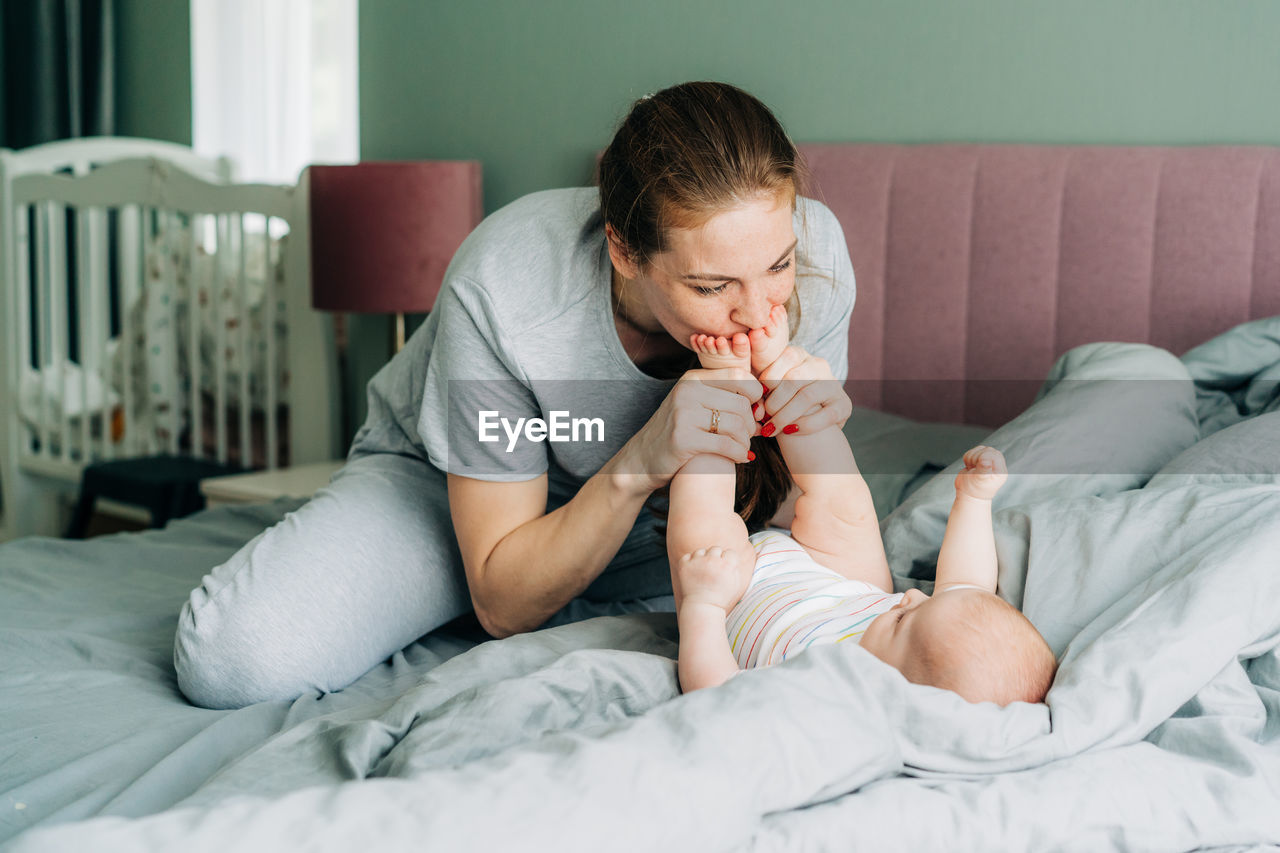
{"x":716,"y":351}
{"x":768,"y":343}
{"x":984,"y":473}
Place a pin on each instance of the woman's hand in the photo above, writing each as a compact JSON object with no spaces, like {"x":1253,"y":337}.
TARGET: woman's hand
{"x":802,"y":395}
{"x":708,"y":411}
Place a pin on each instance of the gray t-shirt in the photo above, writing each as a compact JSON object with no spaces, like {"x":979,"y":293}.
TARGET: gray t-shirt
{"x":530,"y":333}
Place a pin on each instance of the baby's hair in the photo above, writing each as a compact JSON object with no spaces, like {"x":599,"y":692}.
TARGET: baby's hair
{"x":988,"y":652}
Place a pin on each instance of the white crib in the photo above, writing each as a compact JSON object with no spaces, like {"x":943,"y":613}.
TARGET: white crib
{"x":150,"y":305}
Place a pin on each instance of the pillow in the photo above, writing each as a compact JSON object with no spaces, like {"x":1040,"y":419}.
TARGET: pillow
{"x":1245,"y":454}
{"x":1108,"y":417}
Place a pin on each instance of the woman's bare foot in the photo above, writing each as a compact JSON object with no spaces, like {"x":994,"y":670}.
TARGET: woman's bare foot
{"x":984,"y":473}
{"x":716,"y":351}
{"x":769,"y":342}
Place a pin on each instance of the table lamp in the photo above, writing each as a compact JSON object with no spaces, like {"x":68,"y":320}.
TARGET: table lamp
{"x":382,"y":234}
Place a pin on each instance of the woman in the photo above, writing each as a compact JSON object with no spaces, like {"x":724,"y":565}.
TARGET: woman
{"x":571,"y":301}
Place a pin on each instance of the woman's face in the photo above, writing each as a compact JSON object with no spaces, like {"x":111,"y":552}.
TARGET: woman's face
{"x":719,"y":278}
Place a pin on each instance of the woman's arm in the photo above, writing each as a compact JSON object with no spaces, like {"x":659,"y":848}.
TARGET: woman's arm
{"x":523,"y":563}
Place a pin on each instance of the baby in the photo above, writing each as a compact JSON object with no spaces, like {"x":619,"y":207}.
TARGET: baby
{"x":744,"y":601}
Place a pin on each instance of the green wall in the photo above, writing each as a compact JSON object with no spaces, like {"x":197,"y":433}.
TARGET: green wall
{"x":532,"y":88}
{"x":153,"y":82}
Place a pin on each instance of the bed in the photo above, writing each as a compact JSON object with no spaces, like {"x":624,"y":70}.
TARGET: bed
{"x":151,"y":305}
{"x":1106,"y":316}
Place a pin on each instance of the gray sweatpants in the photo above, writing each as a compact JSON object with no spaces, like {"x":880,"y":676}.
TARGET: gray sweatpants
{"x":362,"y":570}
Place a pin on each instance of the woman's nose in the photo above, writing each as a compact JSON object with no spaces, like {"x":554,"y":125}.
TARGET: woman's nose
{"x":753,"y":312}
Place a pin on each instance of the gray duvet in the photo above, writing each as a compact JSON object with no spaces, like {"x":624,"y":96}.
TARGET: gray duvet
{"x":1140,"y":531}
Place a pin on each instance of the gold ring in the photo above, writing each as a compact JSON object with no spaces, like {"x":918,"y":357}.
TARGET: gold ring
{"x":715,"y":421}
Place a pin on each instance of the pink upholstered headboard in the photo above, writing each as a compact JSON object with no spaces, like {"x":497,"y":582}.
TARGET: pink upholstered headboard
{"x":986,"y":262}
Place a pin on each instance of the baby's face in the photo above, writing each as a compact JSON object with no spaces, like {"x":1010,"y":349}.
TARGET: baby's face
{"x":897,"y":635}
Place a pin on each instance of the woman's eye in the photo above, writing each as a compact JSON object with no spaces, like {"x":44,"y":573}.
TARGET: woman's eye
{"x":712,"y":291}
{"x":715,"y":291}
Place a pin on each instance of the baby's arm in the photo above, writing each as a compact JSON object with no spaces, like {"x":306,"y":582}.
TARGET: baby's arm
{"x":968,"y":554}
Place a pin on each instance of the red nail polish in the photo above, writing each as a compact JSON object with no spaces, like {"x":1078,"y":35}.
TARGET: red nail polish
{"x":751,"y":456}
{"x":768,"y":429}
{"x":790,"y":429}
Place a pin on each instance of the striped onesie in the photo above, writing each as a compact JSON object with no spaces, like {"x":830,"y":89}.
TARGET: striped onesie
{"x":794,"y":602}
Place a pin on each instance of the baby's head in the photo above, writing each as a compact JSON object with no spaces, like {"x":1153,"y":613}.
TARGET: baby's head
{"x":964,"y":640}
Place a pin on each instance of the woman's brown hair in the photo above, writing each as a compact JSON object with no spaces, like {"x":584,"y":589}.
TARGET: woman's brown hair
{"x":681,"y":156}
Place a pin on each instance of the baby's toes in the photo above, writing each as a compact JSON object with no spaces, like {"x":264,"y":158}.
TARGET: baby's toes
{"x":777,"y":320}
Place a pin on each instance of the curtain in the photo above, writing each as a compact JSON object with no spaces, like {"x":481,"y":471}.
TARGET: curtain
{"x":57,"y":60}
{"x":58,"y":70}
{"x":274,"y":85}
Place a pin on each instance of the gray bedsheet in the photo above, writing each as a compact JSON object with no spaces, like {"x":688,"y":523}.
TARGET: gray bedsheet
{"x":1162,"y":731}
{"x":91,"y":720}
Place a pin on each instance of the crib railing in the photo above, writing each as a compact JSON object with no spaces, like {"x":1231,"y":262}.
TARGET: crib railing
{"x":148,"y":310}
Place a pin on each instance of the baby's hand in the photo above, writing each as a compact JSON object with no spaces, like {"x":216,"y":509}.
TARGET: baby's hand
{"x":984,"y":473}
{"x":714,"y":575}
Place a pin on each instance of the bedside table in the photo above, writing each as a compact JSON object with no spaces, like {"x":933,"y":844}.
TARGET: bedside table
{"x":301,"y":481}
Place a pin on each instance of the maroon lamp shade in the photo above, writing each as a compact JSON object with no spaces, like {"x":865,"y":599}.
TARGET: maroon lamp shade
{"x":382,"y":234}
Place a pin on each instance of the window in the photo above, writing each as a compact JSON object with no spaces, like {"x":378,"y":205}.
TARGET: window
{"x":274,"y":85}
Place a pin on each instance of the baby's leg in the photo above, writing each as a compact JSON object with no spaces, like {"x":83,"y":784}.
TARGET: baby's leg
{"x":835,"y":517}
{"x":712,"y":579}
{"x":702,"y":492}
